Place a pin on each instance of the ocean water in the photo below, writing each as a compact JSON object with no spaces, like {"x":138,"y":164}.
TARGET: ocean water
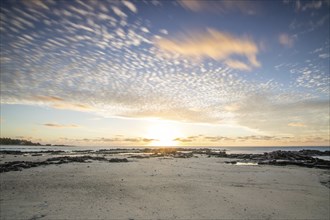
{"x":229,"y":150}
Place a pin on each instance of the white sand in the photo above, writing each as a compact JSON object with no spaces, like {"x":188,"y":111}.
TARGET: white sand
{"x":195,"y":188}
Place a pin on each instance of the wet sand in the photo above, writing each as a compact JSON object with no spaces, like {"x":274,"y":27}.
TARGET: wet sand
{"x":163,"y":188}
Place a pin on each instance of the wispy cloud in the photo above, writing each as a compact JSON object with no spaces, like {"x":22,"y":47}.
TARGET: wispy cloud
{"x":49,"y":98}
{"x":286,"y":40}
{"x":117,"y":139}
{"x":214,"y":44}
{"x":130,"y":6}
{"x":60,"y":103}
{"x":310,"y":5}
{"x":324,"y":55}
{"x":235,"y":64}
{"x":224,"y":6}
{"x":118,"y":12}
{"x":297,"y":124}
{"x":55,"y":125}
{"x":37,"y":3}
{"x":258,"y":140}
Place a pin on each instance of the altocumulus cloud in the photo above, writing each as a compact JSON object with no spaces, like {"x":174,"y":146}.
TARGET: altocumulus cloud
{"x":216,"y":45}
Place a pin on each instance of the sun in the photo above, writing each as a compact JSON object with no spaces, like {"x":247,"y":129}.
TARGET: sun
{"x":164,"y":134}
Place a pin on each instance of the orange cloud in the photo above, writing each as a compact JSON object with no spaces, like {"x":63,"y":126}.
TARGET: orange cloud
{"x":60,"y":125}
{"x":71,"y":106}
{"x":297,"y":124}
{"x":118,"y":139}
{"x":216,"y":45}
{"x":235,"y":64}
{"x":60,"y":103}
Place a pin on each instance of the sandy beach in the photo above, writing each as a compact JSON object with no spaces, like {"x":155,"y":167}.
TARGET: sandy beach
{"x":163,"y":188}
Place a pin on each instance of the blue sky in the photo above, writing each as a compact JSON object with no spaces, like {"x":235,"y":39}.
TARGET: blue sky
{"x":234,"y":73}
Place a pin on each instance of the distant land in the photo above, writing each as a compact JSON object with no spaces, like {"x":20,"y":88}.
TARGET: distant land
{"x":9,"y":141}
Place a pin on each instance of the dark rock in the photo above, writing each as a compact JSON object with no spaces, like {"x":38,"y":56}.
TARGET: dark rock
{"x":19,"y":165}
{"x":231,"y":162}
{"x":315,"y":152}
{"x":140,"y":156}
{"x":118,"y":160}
{"x":183,"y":155}
{"x":284,"y":158}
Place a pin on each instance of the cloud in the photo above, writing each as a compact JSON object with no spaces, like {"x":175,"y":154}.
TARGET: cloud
{"x":218,"y":138}
{"x":324,"y":55}
{"x":256,"y":140}
{"x":130,"y":6}
{"x":310,"y":5}
{"x":204,"y":139}
{"x":216,"y":45}
{"x":61,"y":103}
{"x":37,"y":4}
{"x":78,"y":10}
{"x":118,"y":12}
{"x":172,"y":113}
{"x":235,"y":64}
{"x":296,"y":124}
{"x":49,"y":98}
{"x":311,"y":77}
{"x":286,"y":40}
{"x":114,"y":140}
{"x":268,"y":113}
{"x":298,"y":5}
{"x":163,"y":31}
{"x":55,"y":125}
{"x":220,"y":7}
{"x":183,"y":140}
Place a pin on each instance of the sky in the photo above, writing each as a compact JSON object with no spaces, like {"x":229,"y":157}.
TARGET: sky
{"x":165,"y":73}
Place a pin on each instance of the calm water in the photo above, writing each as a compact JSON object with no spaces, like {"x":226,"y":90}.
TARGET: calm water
{"x":230,"y":150}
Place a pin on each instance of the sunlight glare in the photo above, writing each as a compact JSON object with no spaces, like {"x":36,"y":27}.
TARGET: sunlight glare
{"x":164,"y":134}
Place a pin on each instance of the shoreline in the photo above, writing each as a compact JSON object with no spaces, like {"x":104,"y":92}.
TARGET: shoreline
{"x":305,"y":158}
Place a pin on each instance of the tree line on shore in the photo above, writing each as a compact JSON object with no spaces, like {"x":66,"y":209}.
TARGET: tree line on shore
{"x":9,"y":141}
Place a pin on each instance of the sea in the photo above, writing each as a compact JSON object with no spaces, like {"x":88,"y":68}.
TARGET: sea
{"x":229,"y":150}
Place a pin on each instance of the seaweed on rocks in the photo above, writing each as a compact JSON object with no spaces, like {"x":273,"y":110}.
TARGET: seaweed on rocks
{"x":19,"y":165}
{"x":302,"y":158}
{"x":17,"y":152}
